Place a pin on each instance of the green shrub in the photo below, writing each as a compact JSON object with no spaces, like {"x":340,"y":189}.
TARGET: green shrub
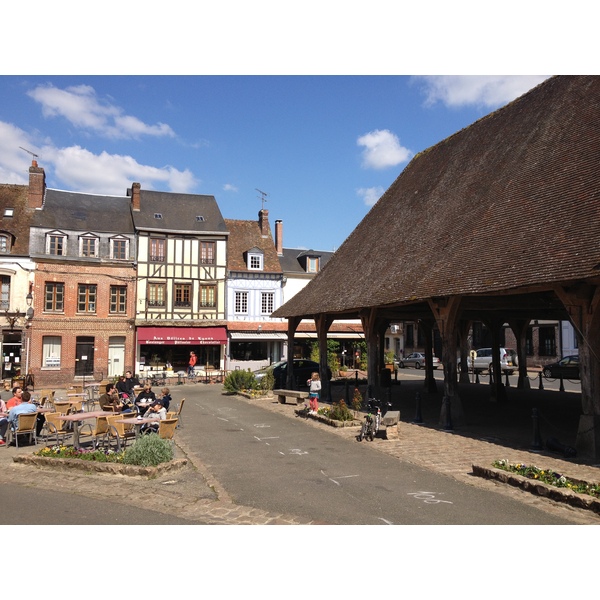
{"x":240,"y":380}
{"x":148,"y":451}
{"x":339,"y":411}
{"x":267,"y":383}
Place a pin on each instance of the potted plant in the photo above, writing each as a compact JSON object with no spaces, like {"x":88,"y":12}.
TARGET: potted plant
{"x":388,"y":358}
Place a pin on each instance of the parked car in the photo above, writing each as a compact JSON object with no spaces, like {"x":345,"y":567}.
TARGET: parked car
{"x":567,"y":368}
{"x":303,"y":369}
{"x":483,"y":360}
{"x":417,"y":360}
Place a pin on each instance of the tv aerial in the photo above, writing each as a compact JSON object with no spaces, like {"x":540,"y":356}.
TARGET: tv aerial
{"x":263,"y":198}
{"x":29,"y":152}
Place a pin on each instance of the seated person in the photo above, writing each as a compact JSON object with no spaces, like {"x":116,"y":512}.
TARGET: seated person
{"x":6,"y":393}
{"x":166,"y":397}
{"x":156,"y":411}
{"x":3,"y":423}
{"x":25,"y":407}
{"x":146,"y":396}
{"x":110,"y":398}
{"x":16,"y":399}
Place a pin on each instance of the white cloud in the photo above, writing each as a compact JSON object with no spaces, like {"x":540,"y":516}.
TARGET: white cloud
{"x":382,"y":149}
{"x":228,"y":187}
{"x":490,"y":91}
{"x":81,"y":106}
{"x":370,"y":195}
{"x":14,"y":162}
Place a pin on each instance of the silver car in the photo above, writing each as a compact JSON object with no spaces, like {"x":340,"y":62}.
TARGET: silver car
{"x":417,"y":360}
{"x":483,"y":360}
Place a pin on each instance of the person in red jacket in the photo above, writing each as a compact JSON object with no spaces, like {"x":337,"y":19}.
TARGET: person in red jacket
{"x":192,"y":363}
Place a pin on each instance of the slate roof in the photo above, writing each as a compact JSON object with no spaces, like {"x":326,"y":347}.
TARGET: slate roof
{"x":179,"y":213}
{"x":84,"y":212}
{"x":16,"y":197}
{"x":245,"y":236}
{"x":290,"y":260}
{"x":511,"y":201}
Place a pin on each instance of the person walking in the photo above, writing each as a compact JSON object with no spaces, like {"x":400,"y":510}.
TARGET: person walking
{"x":314,"y":384}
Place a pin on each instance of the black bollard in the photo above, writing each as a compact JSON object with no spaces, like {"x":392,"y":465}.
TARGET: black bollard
{"x":536,"y":444}
{"x":347,"y":392}
{"x":562,"y":385}
{"x":418,"y":417}
{"x":388,"y":394}
{"x":447,"y":403}
{"x":541,"y":386}
{"x":477,"y":377}
{"x":507,"y":382}
{"x":491,"y":372}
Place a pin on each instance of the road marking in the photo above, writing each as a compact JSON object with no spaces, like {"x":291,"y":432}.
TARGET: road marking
{"x":276,"y":437}
{"x":385,"y":521}
{"x":297,"y":451}
{"x":261,"y":425}
{"x":428,"y":497}
{"x":223,"y":419}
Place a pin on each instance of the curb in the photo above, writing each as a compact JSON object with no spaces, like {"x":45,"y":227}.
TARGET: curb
{"x":539,"y":488}
{"x":67,"y":464}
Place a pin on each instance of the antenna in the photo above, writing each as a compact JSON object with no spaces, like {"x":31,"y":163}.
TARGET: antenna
{"x":263,"y":197}
{"x":29,"y":152}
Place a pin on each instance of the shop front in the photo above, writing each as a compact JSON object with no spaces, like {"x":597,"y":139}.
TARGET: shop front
{"x":166,"y":348}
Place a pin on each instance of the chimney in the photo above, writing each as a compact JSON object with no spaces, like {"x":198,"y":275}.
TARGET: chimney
{"x":135,"y":196}
{"x":263,"y":222}
{"x":279,"y":236}
{"x":37,"y":185}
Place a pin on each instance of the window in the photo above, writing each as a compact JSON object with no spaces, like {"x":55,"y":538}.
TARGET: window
{"x":119,"y":249}
{"x":208,"y":296}
{"x":157,"y":250}
{"x":156,"y":294}
{"x":207,"y":253}
{"x":51,"y":346}
{"x":56,"y":244}
{"x":267,"y":299}
{"x":118,"y":299}
{"x":241,"y":302}
{"x":312,"y":265}
{"x":4,"y":244}
{"x":255,"y":261}
{"x":54,"y":297}
{"x":88,"y":246}
{"x":183,"y":295}
{"x":5,"y":293}
{"x":9,"y":212}
{"x":547,"y":341}
{"x":86,"y":298}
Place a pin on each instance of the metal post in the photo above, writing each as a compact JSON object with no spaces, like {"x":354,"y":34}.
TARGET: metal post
{"x":541,"y":386}
{"x":507,"y":382}
{"x":562,"y":385}
{"x":347,"y":392}
{"x":418,"y":417}
{"x":536,"y":444}
{"x":477,"y":377}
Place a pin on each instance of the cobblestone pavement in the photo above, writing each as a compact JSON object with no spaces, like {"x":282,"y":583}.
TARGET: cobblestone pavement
{"x":193,"y":493}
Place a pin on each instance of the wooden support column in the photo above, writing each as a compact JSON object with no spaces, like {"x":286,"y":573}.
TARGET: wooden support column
{"x":429,"y":383}
{"x":323,"y":323}
{"x":465,"y":346}
{"x":293,"y":323}
{"x":370,"y":326}
{"x":582,"y":301}
{"x":446,"y":312}
{"x":520,"y":327}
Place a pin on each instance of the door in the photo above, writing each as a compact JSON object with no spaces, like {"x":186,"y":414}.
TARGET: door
{"x":84,"y":356}
{"x":116,"y":355}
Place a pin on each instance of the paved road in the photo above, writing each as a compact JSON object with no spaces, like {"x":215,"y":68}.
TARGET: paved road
{"x":278,"y":464}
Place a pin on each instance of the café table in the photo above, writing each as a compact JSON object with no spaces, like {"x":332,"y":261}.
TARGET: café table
{"x":137,"y":422}
{"x":75,"y":418}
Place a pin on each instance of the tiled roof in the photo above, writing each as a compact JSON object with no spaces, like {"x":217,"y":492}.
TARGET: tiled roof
{"x":245,"y":236}
{"x":17,"y":225}
{"x":509,"y":202}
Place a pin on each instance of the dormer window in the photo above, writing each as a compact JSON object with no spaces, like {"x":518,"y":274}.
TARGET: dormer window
{"x":56,"y":243}
{"x":255,"y":259}
{"x":88,"y":245}
{"x":158,"y":215}
{"x":200,"y":219}
{"x":312,"y":264}
{"x":4,"y":244}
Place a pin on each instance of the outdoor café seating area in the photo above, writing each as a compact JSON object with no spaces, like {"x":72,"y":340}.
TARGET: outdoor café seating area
{"x":73,"y":416}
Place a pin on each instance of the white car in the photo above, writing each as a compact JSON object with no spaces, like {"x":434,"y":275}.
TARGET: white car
{"x":483,"y":360}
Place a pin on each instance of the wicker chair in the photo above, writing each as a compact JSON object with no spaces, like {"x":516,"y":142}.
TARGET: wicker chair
{"x":178,"y":413}
{"x":121,"y":432}
{"x":26,"y":425}
{"x":98,"y":432}
{"x":62,"y":407}
{"x":166,"y":428}
{"x":54,"y":426}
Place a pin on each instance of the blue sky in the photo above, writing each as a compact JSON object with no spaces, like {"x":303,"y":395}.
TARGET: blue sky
{"x":323,"y":148}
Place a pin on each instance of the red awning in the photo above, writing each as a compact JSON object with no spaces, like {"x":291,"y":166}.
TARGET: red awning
{"x":186,"y":336}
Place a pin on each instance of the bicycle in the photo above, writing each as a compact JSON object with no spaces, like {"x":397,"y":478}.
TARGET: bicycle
{"x":372,"y":421}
